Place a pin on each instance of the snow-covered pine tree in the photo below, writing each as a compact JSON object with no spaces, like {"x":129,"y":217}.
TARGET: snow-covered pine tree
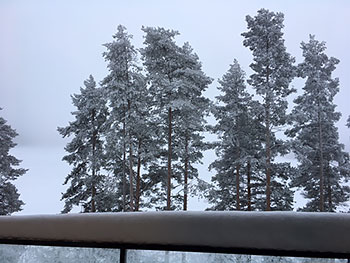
{"x":9,"y":196}
{"x":115,"y":164}
{"x":190,"y":108}
{"x":86,"y":150}
{"x":323,"y":165}
{"x":233,"y":129}
{"x":177,"y":83}
{"x":161,"y":59}
{"x":239,"y":182}
{"x":127,"y":96}
{"x":273,"y":72}
{"x":143,"y":137}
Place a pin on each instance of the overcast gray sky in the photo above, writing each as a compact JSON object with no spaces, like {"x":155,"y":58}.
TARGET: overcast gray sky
{"x":48,"y":48}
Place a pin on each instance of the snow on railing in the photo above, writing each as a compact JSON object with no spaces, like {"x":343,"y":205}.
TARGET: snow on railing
{"x":255,"y":233}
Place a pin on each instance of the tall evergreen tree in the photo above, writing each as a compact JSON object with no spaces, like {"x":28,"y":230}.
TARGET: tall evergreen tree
{"x":239,"y":182}
{"x":323,"y":164}
{"x":9,"y":196}
{"x":86,"y":150}
{"x":234,"y":129}
{"x":273,"y":72}
{"x":161,"y":59}
{"x":127,"y":95}
{"x":177,"y":83}
{"x":190,"y":110}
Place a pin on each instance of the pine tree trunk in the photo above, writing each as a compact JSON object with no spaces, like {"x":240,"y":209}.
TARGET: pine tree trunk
{"x":138,"y":178}
{"x":93,"y":194}
{"x":93,"y":188}
{"x":186,"y":174}
{"x":124,"y":141}
{"x":124,"y":164}
{"x":131,"y":180}
{"x":268,"y":135}
{"x":238,"y":206}
{"x":131,"y":170}
{"x":320,"y":141}
{"x":169,"y":159}
{"x":268,"y":159}
{"x":249,"y":187}
{"x":329,"y":190}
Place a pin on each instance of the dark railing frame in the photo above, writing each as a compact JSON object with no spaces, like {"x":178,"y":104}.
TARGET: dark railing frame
{"x":330,"y":241}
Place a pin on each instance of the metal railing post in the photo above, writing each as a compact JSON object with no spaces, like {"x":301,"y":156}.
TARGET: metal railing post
{"x":123,"y":253}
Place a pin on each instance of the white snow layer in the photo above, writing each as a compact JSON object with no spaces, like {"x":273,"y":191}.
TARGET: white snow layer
{"x":286,"y":231}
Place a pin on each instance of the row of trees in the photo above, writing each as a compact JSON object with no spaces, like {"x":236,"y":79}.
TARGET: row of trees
{"x":147,"y":127}
{"x":248,"y":129}
{"x":138,"y":136}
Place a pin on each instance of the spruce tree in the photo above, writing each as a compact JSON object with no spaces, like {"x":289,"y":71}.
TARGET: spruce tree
{"x":9,"y":196}
{"x":86,"y":150}
{"x":323,"y":165}
{"x":273,"y":72}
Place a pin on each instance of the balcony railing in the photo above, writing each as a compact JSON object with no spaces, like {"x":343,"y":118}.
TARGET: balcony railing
{"x":321,"y":235}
